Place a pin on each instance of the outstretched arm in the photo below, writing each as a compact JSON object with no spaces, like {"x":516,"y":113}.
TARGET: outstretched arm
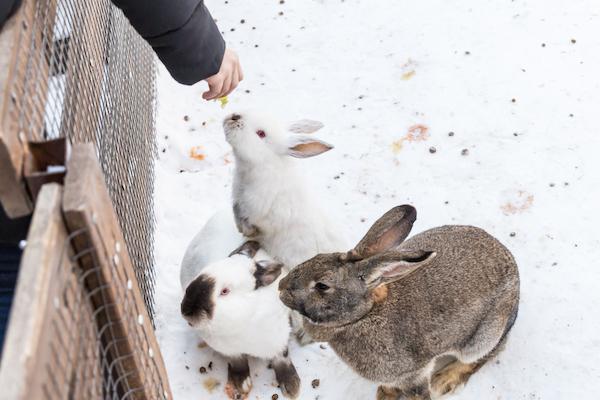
{"x":187,"y":41}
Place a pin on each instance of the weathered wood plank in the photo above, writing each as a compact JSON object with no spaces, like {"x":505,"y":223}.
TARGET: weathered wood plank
{"x":87,"y":205}
{"x":45,"y":242}
{"x":13,"y":37}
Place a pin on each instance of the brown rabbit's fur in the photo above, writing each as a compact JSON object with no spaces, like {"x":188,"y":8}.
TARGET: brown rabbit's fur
{"x":434,"y":324}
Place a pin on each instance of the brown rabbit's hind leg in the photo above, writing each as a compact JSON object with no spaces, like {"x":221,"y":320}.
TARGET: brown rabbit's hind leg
{"x":453,"y":375}
{"x":388,"y":393}
{"x":393,"y":393}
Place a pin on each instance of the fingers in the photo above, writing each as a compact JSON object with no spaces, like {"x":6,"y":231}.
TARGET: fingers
{"x":215,"y":87}
{"x":234,"y":83}
{"x":227,"y":79}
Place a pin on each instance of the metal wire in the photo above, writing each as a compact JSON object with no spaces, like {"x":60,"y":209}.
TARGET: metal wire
{"x":85,"y":360}
{"x":84,"y":73}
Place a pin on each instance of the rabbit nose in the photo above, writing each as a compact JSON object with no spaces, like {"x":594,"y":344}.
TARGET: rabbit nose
{"x":235,"y":117}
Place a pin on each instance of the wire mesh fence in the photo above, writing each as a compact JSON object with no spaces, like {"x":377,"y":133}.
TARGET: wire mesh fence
{"x":85,"y":357}
{"x":79,"y":327}
{"x":80,"y":71}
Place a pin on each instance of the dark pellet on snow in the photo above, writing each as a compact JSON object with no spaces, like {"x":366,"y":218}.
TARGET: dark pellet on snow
{"x":210,"y":365}
{"x":202,"y":370}
{"x":363,"y":219}
{"x":186,"y":118}
{"x":552,"y":185}
{"x":432,"y":150}
{"x":543,"y":44}
{"x":573,"y":41}
{"x":513,"y":234}
{"x":232,"y":29}
{"x":450,"y":134}
{"x":446,"y":202}
{"x":515,"y":134}
{"x":247,"y":91}
{"x":322,"y":346}
{"x":187,"y":367}
{"x":465,"y":152}
{"x":255,"y":45}
{"x":253,"y":28}
{"x":336,"y":177}
{"x":280,"y":12}
{"x":315,"y":383}
{"x":275,"y":396}
{"x":243,"y":21}
{"x":164,"y":150}
{"x":467,"y":53}
{"x":514,"y":100}
{"x":281,"y":1}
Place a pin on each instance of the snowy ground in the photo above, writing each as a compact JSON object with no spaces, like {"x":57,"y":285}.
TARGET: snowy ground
{"x":518,"y":84}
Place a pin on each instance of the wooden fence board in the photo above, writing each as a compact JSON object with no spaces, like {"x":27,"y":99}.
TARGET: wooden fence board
{"x":87,"y":205}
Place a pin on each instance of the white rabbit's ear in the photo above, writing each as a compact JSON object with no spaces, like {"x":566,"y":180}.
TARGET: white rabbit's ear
{"x":266,"y":272}
{"x":304,"y":146}
{"x":248,"y":249}
{"x":391,"y":266}
{"x":305,"y":126}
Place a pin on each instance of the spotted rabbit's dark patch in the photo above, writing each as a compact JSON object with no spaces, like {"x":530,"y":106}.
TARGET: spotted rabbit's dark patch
{"x":197,"y":302}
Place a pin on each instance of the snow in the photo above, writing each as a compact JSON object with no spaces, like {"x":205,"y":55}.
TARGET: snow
{"x":370,"y":71}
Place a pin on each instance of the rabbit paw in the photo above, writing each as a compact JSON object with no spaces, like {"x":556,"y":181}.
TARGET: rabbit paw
{"x":388,"y":393}
{"x":286,"y":375}
{"x":239,"y":382}
{"x":449,"y":378}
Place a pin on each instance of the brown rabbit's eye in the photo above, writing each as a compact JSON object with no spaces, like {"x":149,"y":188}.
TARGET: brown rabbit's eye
{"x":224,"y":292}
{"x":321,"y":287}
{"x":261,"y":134}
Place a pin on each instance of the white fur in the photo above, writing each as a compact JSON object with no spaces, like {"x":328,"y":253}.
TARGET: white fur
{"x":217,"y":239}
{"x":245,"y":321}
{"x":271,"y":191}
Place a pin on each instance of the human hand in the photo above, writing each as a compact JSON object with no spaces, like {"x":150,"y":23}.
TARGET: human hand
{"x":226,"y":80}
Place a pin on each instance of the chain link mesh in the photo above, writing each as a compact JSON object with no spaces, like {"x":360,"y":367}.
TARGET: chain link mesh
{"x":82,"y":72}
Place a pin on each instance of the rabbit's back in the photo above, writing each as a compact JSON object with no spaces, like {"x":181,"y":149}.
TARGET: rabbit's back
{"x":439,"y":308}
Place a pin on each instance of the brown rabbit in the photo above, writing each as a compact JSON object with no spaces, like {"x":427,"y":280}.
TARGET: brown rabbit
{"x":418,"y":317}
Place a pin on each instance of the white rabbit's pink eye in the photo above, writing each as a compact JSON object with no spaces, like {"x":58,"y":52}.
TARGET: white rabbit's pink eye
{"x":224,"y":291}
{"x":261,"y":134}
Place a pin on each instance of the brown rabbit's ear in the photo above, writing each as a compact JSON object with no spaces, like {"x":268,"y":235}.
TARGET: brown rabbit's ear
{"x":248,"y":249}
{"x":301,"y":146}
{"x":386,"y":233}
{"x":394,"y":265}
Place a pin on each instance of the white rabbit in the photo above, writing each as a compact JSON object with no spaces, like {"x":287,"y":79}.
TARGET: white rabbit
{"x":233,"y":303}
{"x":214,"y":242}
{"x":271,"y":202}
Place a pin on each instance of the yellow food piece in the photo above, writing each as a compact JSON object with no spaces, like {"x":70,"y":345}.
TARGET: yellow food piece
{"x":407,"y":75}
{"x":223,"y":100}
{"x":397,"y":146}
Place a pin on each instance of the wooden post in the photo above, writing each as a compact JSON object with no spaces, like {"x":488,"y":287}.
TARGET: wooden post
{"x":15,"y":34}
{"x":87,"y":206}
{"x":23,"y":350}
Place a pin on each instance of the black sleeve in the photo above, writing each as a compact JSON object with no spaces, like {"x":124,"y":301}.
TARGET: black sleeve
{"x":7,"y":9}
{"x":182,"y":33}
